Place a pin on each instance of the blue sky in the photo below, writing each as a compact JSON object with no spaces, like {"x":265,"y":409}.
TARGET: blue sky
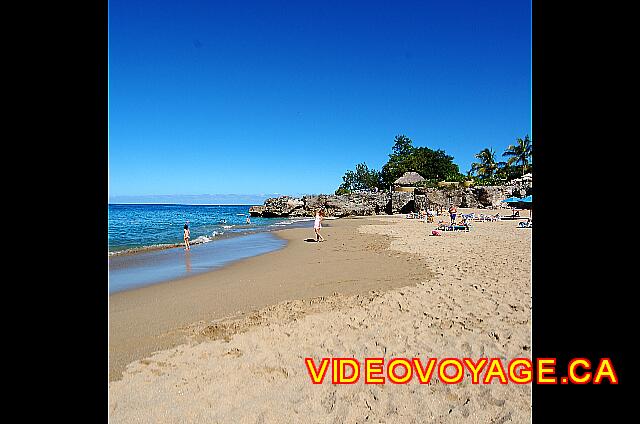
{"x":285,"y":96}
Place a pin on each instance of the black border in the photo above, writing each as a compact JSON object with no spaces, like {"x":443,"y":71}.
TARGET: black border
{"x":78,"y":159}
{"x":60,"y":208}
{"x":580,"y":271}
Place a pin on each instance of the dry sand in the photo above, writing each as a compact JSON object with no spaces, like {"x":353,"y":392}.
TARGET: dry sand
{"x":400,"y":293}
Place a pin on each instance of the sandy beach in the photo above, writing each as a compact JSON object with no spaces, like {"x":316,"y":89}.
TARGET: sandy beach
{"x":229,"y":345}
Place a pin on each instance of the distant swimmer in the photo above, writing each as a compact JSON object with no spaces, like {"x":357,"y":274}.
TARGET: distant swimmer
{"x":317,"y":225}
{"x":248,"y":220}
{"x":187,"y":235}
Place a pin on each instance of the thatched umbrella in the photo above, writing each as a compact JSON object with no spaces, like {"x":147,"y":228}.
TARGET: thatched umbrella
{"x":408,"y":179}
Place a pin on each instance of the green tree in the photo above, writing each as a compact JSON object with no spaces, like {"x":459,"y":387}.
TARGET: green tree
{"x":487,"y":166}
{"x":521,"y":152}
{"x":507,"y":172}
{"x":403,"y":145}
{"x":431,"y":164}
{"x":362,"y":178}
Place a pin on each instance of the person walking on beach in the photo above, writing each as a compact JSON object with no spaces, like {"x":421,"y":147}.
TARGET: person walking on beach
{"x":452,"y":214}
{"x":187,"y":235}
{"x":317,"y":225}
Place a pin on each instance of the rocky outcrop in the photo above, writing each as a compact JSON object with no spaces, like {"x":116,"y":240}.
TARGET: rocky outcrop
{"x":520,"y":188}
{"x":281,"y":206}
{"x":360,"y":204}
{"x":464,"y":197}
{"x":332,"y":205}
{"x":349,"y":204}
{"x":402,"y":202}
{"x":256,"y":210}
{"x":468,"y":197}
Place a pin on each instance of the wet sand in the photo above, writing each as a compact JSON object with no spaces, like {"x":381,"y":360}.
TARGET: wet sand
{"x":132,"y":271}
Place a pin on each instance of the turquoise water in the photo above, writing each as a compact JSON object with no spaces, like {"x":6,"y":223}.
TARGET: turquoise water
{"x":145,"y":227}
{"x":155,"y":266}
{"x":146,"y":245}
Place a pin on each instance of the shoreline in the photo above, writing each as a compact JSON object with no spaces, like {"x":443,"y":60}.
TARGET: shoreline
{"x":150,"y":265}
{"x":158,"y":316}
{"x":249,"y":230}
{"x":137,"y":271}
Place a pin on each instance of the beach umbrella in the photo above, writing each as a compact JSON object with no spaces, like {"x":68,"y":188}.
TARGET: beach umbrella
{"x":527,"y":202}
{"x":512,"y":200}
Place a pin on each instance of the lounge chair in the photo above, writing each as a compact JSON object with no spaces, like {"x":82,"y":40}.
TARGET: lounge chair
{"x":510,"y":217}
{"x":442,"y":226}
{"x":456,"y":227}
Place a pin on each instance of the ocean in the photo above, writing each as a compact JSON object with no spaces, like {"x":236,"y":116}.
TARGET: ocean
{"x":145,"y":241}
{"x":134,"y":228}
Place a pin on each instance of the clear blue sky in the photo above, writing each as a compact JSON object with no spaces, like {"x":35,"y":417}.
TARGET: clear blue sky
{"x":285,"y":96}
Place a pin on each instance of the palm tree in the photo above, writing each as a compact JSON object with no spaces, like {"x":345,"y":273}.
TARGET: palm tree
{"x":487,"y":166}
{"x":519,"y":152}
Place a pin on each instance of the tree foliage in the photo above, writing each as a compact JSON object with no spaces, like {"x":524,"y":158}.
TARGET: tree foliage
{"x":362,"y":178}
{"x":431,"y":164}
{"x":436,"y":165}
{"x":488,"y":171}
{"x":487,"y":165}
{"x":507,"y":172}
{"x":521,"y":152}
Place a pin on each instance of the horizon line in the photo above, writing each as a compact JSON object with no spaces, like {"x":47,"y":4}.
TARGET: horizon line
{"x":182,"y":204}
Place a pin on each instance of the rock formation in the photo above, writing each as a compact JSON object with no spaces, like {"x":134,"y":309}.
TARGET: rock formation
{"x":280,"y":206}
{"x":376,"y":203}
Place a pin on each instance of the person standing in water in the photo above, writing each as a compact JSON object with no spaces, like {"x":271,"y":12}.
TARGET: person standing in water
{"x":317,"y":225}
{"x":187,"y":235}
